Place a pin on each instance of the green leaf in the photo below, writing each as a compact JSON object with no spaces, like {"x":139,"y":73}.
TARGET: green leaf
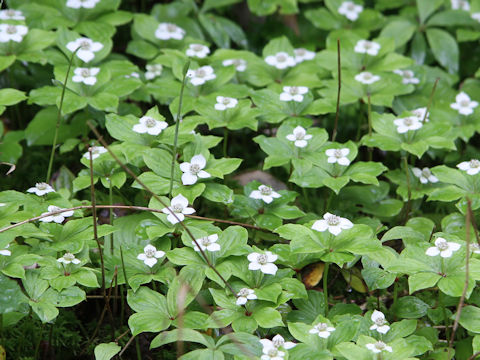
{"x":267,"y":317}
{"x":11,"y":96}
{"x":410,"y":307}
{"x":377,"y":278}
{"x":470,"y":318}
{"x":422,"y":280}
{"x":444,"y":48}
{"x":106,"y":351}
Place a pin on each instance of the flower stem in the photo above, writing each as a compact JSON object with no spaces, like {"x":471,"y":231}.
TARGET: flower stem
{"x":177,"y":125}
{"x":110,"y":200}
{"x":325,"y":287}
{"x":59,"y":118}
{"x":337,"y":111}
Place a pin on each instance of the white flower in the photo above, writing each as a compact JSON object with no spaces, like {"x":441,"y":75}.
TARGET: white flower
{"x":472,"y":167}
{"x":244,"y":295}
{"x":240,"y":64}
{"x":294,"y":93}
{"x":150,"y":255}
{"x":409,"y":123}
{"x":333,"y":223}
{"x":265,"y":193}
{"x":322,"y":329}
{"x":378,"y":347}
{"x":207,"y":243}
{"x":41,"y":189}
{"x":278,"y":342}
{"x":463,"y":104}
{"x":367,"y":47}
{"x":11,"y":14}
{"x":366,"y":77}
{"x":224,"y":103}
{"x":149,"y":125}
{"x":420,"y":114}
{"x":460,"y":5}
{"x":443,"y":248}
{"x":193,"y":170}
{"x":58,"y":218}
{"x":197,"y":50}
{"x":425,"y":175}
{"x":476,"y":16}
{"x":12,"y":32}
{"x":201,"y":75}
{"x":153,"y":70}
{"x":85,"y":75}
{"x":263,"y":262}
{"x":350,"y":10}
{"x":338,"y":156}
{"x":68,"y":258}
{"x":270,"y":352}
{"x":96,"y":152}
{"x":280,"y":60}
{"x":408,"y":76}
{"x":300,"y":137}
{"x":179,"y":205}
{"x":302,"y":54}
{"x":6,"y":252}
{"x":379,"y":322}
{"x":77,"y":4}
{"x":473,"y":247}
{"x":166,"y":31}
{"x":87,"y":48}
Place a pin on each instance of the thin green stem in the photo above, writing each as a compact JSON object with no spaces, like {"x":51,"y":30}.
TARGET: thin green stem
{"x":225,"y":141}
{"x":430,"y":100}
{"x":409,"y":189}
{"x":59,"y":118}
{"x":110,"y":200}
{"x":177,"y":125}
{"x":325,"y":287}
{"x":337,"y":111}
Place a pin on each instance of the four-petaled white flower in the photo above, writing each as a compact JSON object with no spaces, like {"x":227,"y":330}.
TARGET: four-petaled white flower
{"x":68,"y":258}
{"x":166,"y":31}
{"x":270,"y":352}
{"x":11,"y":14}
{"x":476,"y":16}
{"x":6,"y":252}
{"x":240,"y":64}
{"x":263,"y":262}
{"x":408,"y":123}
{"x":179,"y":206}
{"x":10,"y":32}
{"x":293,"y":93}
{"x":302,"y":54}
{"x":378,"y":347}
{"x":208,"y":243}
{"x":472,"y":167}
{"x":443,"y":248}
{"x":85,"y":75}
{"x":224,"y":103}
{"x":149,"y":125}
{"x":367,"y":47}
{"x":463,"y":104}
{"x":367,"y":78}
{"x":300,"y":137}
{"x":198,"y":50}
{"x":322,"y":329}
{"x":350,"y":10}
{"x":265,"y":193}
{"x":460,"y":5}
{"x":96,"y":152}
{"x":408,"y":76}
{"x":244,"y":295}
{"x":41,"y":189}
{"x":333,"y":223}
{"x":150,"y":255}
{"x":58,"y":218}
{"x":194,"y":169}
{"x":380,"y":324}
{"x":87,"y":46}
{"x":338,"y":156}
{"x":278,"y":342}
{"x":280,"y":60}
{"x":201,"y":75}
{"x":153,"y":70}
{"x":424,"y":175}
{"x":77,"y":4}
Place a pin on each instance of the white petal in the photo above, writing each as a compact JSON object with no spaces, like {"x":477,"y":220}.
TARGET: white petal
{"x":255,"y":194}
{"x":188,"y":178}
{"x":269,"y":269}
{"x":320,"y":225}
{"x":199,"y":160}
{"x":150,"y":261}
{"x":203,"y":174}
{"x":432,"y":251}
{"x":335,"y":230}
{"x":383,"y":329}
{"x":180,"y":199}
{"x":188,"y":211}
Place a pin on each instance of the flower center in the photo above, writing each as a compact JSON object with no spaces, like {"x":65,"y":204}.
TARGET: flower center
{"x":197,"y":47}
{"x":333,"y":220}
{"x":322,"y":327}
{"x":10,"y":13}
{"x":226,"y":101}
{"x":442,"y":245}
{"x":69,"y":256}
{"x":380,"y":345}
{"x":177,"y":208}
{"x":278,"y":342}
{"x":11,"y":29}
{"x":171,"y":28}
{"x":426,"y":173}
{"x":95,"y":150}
{"x":85,"y":45}
{"x":272,"y":352}
{"x":294,"y":90}
{"x":243,"y":292}
{"x":408,"y":74}
{"x":338,"y":153}
{"x":150,"y":123}
{"x":367,"y":75}
{"x":464,"y":103}
{"x":351,"y":6}
{"x":299,"y":135}
{"x":42,"y":186}
{"x":200,"y":73}
{"x":150,"y":253}
{"x":301,"y":52}
{"x":265,"y":190}
{"x":195,"y":169}
{"x":380,"y":321}
{"x":205,"y":241}
{"x":85,"y":72}
{"x":474,"y":163}
{"x":367,"y":45}
{"x":55,"y":208}
{"x":281,"y":58}
{"x":408,"y":121}
{"x":262,"y":259}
